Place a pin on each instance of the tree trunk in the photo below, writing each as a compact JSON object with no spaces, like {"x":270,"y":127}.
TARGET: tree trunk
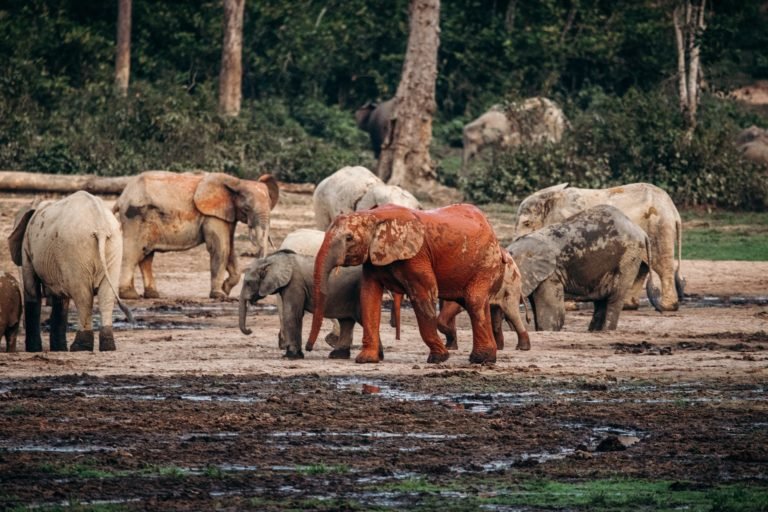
{"x":405,"y":159}
{"x":123,"y":55}
{"x":688,"y":21}
{"x":231,"y":74}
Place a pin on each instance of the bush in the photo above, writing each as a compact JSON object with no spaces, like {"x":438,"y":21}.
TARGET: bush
{"x":635,"y":138}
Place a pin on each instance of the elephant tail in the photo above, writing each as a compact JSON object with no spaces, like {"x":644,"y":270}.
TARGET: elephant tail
{"x":652,"y":291}
{"x":101,"y":241}
{"x":679,"y":281}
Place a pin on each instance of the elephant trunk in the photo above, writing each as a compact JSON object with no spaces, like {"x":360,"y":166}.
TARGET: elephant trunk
{"x":243,"y":309}
{"x":258,"y":232}
{"x":328,"y":257}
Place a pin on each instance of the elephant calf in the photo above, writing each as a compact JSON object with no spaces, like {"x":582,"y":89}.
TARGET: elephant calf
{"x":68,"y":249}
{"x":10,"y":310}
{"x":596,"y":255}
{"x":505,"y":305}
{"x":290,"y":275}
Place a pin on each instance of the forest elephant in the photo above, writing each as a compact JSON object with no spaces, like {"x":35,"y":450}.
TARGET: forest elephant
{"x":532,"y":121}
{"x":752,"y":142}
{"x":10,"y":310}
{"x":291,"y":276}
{"x":164,"y":211}
{"x":374,"y":119}
{"x":597,"y":255}
{"x":448,"y":253}
{"x":68,"y":249}
{"x":646,"y":205}
{"x":352,"y":189}
{"x":505,"y":305}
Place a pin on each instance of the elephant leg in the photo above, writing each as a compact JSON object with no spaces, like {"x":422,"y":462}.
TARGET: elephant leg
{"x":394,"y":317}
{"x":663,"y":255}
{"x":291,"y":321}
{"x":148,"y":277}
{"x":84,"y":338}
{"x":483,"y":343}
{"x":633,"y":297}
{"x":232,"y":267}
{"x":217,"y":241}
{"x":446,"y":322}
{"x":59,"y":310}
{"x":549,"y":306}
{"x":132,"y":255}
{"x":342,"y":348}
{"x":106,"y":306}
{"x":371,"y":292}
{"x":497,"y":320}
{"x":11,"y":333}
{"x":333,"y":337}
{"x":33,"y":342}
{"x":599,"y":315}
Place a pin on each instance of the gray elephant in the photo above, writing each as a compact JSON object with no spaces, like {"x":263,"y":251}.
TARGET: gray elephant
{"x":68,"y":249}
{"x":752,"y":142}
{"x":374,"y":119}
{"x":596,"y":255}
{"x":10,"y":310}
{"x":645,"y":204}
{"x":353,"y":189}
{"x":532,"y":121}
{"x":164,"y":211}
{"x":290,"y":275}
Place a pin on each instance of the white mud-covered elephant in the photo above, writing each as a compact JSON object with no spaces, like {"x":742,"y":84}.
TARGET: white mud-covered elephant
{"x":532,"y":121}
{"x":646,"y":205}
{"x":752,"y":142}
{"x":355,"y":188}
{"x":165,"y":211}
{"x":68,"y":249}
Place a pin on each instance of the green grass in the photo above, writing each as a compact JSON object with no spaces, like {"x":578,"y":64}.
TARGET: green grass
{"x":741,"y":243}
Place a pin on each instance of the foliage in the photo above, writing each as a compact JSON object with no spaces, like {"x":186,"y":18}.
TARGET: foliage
{"x":308,"y":65}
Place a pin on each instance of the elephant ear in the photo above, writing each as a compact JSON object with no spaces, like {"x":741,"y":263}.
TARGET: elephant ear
{"x":535,"y":259}
{"x":398,"y":238}
{"x":16,"y":238}
{"x":213,"y":197}
{"x":272,"y":188}
{"x":278,"y":275}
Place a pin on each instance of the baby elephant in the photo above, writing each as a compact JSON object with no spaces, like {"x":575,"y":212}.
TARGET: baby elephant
{"x":291,"y":276}
{"x":596,"y":255}
{"x":505,"y":305}
{"x":69,"y":249}
{"x":10,"y":310}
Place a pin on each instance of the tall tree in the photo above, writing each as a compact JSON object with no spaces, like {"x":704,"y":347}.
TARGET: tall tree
{"x":123,"y":55}
{"x":405,"y":159}
{"x":688,"y":20}
{"x":231,"y":74}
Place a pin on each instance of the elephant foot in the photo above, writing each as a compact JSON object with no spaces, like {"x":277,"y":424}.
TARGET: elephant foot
{"x":106,"y":339}
{"x":523,"y":342}
{"x":128,"y":293}
{"x":451,"y":344}
{"x":339,"y":353}
{"x":367,"y":356}
{"x":333,"y":339}
{"x":670,"y":306}
{"x":33,"y":345}
{"x":58,"y":344}
{"x":83,"y":342}
{"x":438,"y":357}
{"x":482,"y":357}
{"x":290,"y":354}
{"x":217,"y":294}
{"x":631,"y":304}
{"x":151,"y":293}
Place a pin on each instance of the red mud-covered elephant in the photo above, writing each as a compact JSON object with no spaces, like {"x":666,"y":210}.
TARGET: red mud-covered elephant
{"x":450,"y":253}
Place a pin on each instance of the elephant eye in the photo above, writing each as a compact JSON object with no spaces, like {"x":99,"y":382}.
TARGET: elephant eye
{"x":349,"y":237}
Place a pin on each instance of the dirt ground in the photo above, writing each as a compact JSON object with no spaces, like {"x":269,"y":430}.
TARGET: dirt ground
{"x":191,"y":414}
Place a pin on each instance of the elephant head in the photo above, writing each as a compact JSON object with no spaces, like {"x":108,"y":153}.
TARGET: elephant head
{"x":542,"y":208}
{"x":231,"y":199}
{"x":265,"y":276}
{"x":382,"y":194}
{"x":379,"y":236}
{"x":363,"y":115}
{"x":490,"y":129}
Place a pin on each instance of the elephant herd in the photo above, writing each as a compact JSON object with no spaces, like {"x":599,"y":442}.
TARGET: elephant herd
{"x":596,"y":245}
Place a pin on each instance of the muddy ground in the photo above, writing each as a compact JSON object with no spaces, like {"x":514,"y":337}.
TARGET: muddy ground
{"x":190,"y":414}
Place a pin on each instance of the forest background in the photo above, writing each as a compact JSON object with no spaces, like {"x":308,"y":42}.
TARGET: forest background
{"x":307,"y":65}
